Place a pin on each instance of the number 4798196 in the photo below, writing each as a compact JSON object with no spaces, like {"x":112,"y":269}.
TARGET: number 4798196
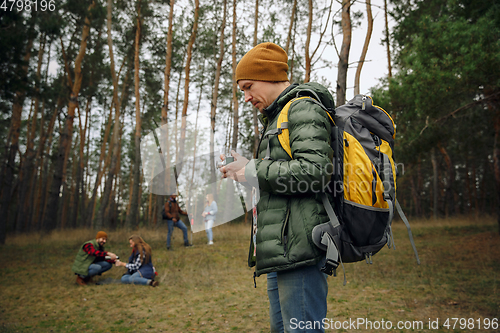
{"x":29,"y":5}
{"x":471,"y":324}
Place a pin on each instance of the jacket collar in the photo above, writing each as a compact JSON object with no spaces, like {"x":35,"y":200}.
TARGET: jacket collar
{"x":272,"y":110}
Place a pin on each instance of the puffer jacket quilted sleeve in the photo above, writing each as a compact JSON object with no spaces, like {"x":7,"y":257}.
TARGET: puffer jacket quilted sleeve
{"x":309,"y":130}
{"x":290,"y":204}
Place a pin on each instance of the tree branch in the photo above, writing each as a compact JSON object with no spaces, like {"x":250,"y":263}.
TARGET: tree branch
{"x":452,"y":114}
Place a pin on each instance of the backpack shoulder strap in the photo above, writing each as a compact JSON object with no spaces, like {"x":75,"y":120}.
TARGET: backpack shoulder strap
{"x":282,"y":126}
{"x":405,"y":220}
{"x":283,"y":134}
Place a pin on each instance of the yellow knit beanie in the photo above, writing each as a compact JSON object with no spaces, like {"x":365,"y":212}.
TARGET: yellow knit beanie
{"x":265,"y":62}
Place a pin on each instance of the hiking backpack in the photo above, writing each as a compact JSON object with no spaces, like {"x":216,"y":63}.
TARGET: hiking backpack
{"x":363,"y":182}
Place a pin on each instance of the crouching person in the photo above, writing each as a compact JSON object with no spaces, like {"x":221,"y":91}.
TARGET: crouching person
{"x":92,"y":260}
{"x":140,"y":266}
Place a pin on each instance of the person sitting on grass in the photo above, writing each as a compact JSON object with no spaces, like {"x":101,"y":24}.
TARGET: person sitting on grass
{"x":92,"y":260}
{"x":140,"y":266}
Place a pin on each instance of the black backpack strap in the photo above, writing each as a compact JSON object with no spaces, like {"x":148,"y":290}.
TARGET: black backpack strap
{"x":326,"y":236}
{"x":405,"y":220}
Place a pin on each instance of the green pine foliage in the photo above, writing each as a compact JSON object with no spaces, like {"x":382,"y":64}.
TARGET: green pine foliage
{"x":448,"y":61}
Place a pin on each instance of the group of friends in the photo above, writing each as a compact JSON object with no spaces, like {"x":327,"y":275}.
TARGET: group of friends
{"x":282,"y":246}
{"x":92,"y":259}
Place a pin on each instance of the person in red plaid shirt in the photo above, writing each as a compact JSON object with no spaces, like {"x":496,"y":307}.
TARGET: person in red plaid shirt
{"x":92,"y":260}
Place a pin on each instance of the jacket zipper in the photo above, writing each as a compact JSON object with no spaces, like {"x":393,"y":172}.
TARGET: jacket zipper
{"x":284,"y":232}
{"x":251,"y":224}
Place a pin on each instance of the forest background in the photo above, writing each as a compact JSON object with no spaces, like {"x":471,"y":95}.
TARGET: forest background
{"x":83,"y":82}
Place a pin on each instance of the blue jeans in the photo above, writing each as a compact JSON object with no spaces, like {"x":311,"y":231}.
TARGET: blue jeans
{"x":297,"y":299}
{"x":135,"y":278}
{"x":208,"y":228}
{"x":179,"y":224}
{"x":274,"y":303}
{"x":99,"y":267}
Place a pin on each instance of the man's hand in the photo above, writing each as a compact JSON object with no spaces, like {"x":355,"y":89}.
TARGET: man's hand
{"x":175,"y":220}
{"x":120,"y":263}
{"x":234,"y":170}
{"x":111,"y":255}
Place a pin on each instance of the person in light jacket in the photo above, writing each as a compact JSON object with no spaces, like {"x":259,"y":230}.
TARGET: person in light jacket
{"x":209,"y":214}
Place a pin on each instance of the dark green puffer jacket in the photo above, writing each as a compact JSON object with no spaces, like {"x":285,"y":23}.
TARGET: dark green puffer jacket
{"x":290,"y":204}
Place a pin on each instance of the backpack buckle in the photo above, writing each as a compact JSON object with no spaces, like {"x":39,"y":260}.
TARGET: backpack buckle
{"x":330,"y":266}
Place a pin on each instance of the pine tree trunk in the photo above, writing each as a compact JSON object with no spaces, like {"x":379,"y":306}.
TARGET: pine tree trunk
{"x":108,"y":185}
{"x":215,"y":96}
{"x":235,"y":86}
{"x":132,"y":216}
{"x":90,"y":211}
{"x":27,"y":175}
{"x":256,"y":23}
{"x":344,"y":53}
{"x":50,"y":217}
{"x":114,"y":149}
{"x":229,"y":132}
{"x":414,"y":194}
{"x":168,"y":63}
{"x":482,"y":188}
{"x":7,"y":179}
{"x":420,"y":185}
{"x":46,"y":137}
{"x":67,"y":192}
{"x":165,"y":139}
{"x":115,"y":194}
{"x":468,"y":203}
{"x":387,"y":40}
{"x":448,"y":199}
{"x":496,"y":163}
{"x":101,"y":170}
{"x":474,"y":193}
{"x":186,"y":86}
{"x":176,"y":123}
{"x":33,"y":199}
{"x":365,"y":46}
{"x":494,"y":108}
{"x":290,"y":27}
{"x":308,"y":42}
{"x":80,"y":195}
{"x":292,"y":58}
{"x":195,"y":138}
{"x":255,"y":110}
{"x":435,"y":192}
{"x":232,"y":140}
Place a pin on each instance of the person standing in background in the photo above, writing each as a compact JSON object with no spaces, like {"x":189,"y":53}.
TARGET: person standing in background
{"x":209,"y":214}
{"x":171,"y":211}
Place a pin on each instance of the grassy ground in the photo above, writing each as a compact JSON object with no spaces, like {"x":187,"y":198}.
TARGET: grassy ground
{"x":210,"y":288}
